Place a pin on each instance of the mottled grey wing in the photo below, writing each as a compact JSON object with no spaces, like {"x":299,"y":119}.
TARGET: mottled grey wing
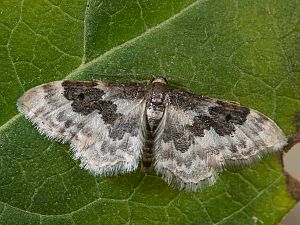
{"x":102,"y":121}
{"x":199,"y":135}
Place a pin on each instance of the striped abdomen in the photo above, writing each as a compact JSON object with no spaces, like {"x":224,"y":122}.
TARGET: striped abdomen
{"x":154,"y":111}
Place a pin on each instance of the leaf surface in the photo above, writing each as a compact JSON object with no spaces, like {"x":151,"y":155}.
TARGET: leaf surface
{"x":245,"y":51}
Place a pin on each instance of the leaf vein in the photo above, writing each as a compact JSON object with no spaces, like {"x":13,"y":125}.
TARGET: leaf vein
{"x":252,"y":200}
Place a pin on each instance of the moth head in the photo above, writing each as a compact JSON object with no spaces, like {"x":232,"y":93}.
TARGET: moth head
{"x":159,"y":80}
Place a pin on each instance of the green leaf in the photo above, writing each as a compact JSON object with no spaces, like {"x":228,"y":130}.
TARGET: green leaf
{"x":244,"y":51}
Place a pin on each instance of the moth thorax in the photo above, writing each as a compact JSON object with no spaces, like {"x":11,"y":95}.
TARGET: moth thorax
{"x":155,"y":110}
{"x":157,"y":98}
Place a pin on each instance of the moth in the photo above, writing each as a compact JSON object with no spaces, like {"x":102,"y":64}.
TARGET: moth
{"x":184,"y":137}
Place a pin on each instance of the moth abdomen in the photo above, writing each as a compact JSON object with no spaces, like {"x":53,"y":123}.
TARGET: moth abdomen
{"x":148,"y":153}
